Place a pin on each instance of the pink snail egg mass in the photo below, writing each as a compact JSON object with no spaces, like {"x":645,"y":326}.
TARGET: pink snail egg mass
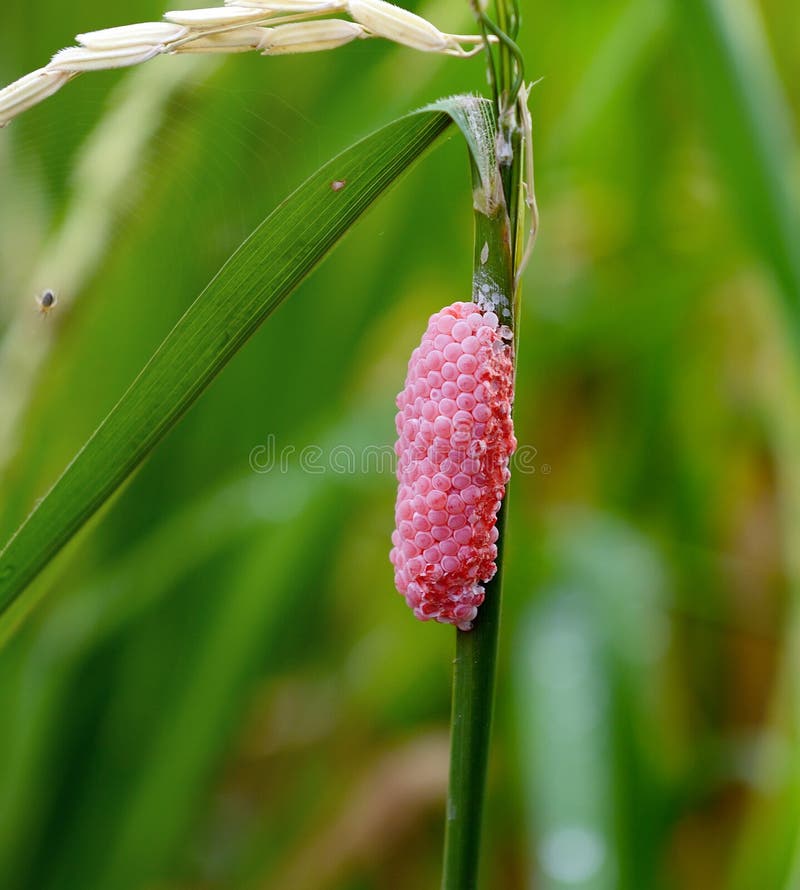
{"x":455,"y":439}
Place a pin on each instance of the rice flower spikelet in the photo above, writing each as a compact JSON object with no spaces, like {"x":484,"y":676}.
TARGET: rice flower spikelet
{"x":455,"y":440}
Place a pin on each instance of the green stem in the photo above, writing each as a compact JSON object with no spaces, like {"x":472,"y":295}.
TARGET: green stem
{"x":476,"y":650}
{"x":471,"y":723}
{"x":496,"y":254}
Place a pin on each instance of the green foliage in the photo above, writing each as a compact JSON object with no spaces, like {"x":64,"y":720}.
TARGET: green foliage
{"x":220,"y":684}
{"x":249,"y":287}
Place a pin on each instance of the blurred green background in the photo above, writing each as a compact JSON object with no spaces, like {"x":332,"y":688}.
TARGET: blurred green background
{"x":222,"y":689}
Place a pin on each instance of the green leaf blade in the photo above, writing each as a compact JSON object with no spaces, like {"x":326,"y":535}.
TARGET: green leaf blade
{"x":285,"y":248}
{"x":749,"y":120}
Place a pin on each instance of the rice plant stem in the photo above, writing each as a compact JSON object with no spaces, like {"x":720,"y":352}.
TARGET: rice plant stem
{"x":476,"y":650}
{"x":474,"y":670}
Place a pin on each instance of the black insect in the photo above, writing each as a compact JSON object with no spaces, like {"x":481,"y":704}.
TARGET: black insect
{"x":47,"y":301}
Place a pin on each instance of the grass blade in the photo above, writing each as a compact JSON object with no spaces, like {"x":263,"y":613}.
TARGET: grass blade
{"x":750,"y":123}
{"x":248,"y":623}
{"x":256,"y":279}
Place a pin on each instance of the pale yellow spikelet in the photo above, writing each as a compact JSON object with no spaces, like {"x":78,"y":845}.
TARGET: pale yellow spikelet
{"x":146,"y":34}
{"x":217,"y":17}
{"x":398,"y":24}
{"x":29,"y":91}
{"x":289,"y":7}
{"x":307,"y":37}
{"x":76,"y":59}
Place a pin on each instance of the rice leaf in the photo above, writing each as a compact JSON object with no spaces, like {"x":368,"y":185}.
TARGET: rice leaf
{"x":278,"y":255}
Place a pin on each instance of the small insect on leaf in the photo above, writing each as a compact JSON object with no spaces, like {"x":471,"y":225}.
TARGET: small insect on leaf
{"x":338,"y":184}
{"x":47,"y":301}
